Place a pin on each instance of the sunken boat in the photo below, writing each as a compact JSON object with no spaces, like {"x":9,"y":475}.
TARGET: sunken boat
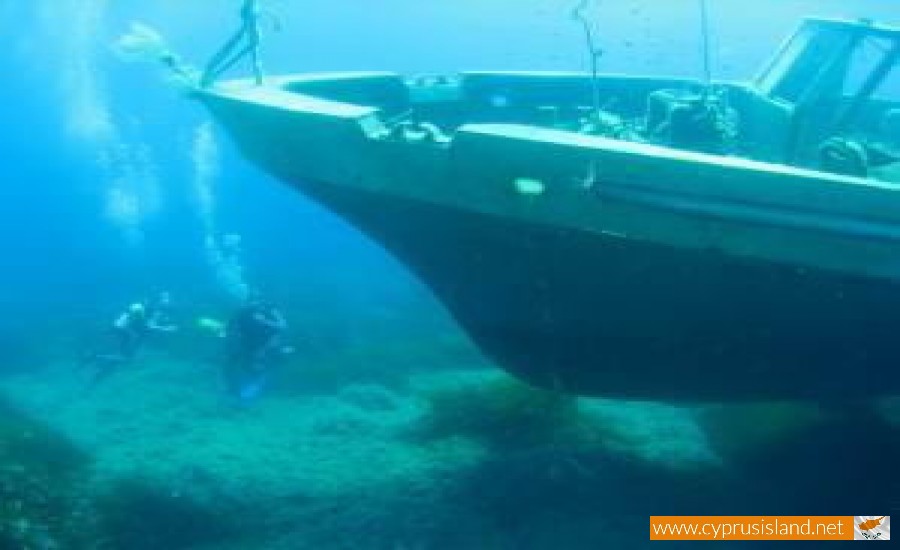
{"x":627,"y":236}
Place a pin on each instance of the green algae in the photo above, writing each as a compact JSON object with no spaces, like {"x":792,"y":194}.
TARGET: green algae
{"x":505,"y":413}
{"x":738,"y":430}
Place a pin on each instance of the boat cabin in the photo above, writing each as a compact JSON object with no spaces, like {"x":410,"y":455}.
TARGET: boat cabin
{"x":838,"y":82}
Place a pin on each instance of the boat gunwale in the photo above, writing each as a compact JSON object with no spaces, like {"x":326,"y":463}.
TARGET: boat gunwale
{"x":728,"y":168}
{"x":276,"y":95}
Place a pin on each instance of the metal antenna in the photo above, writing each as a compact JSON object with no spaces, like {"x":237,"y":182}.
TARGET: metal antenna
{"x":594,"y":52}
{"x":704,"y":30}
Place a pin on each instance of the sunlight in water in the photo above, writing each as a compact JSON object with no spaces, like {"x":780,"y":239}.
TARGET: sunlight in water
{"x":131,"y":189}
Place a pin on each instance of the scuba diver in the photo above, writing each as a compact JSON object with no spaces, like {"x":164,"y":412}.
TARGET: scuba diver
{"x":244,"y":42}
{"x":253,"y":343}
{"x":129,"y":331}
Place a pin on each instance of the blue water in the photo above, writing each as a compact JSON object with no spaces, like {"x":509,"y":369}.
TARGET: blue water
{"x":59,"y":70}
{"x":99,"y":185}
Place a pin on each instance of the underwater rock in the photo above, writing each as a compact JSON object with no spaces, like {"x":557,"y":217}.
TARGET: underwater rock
{"x":139,"y":515}
{"x":657,"y":433}
{"x":809,"y":458}
{"x":502,"y":412}
{"x":342,"y":421}
{"x":587,"y":499}
{"x":41,"y":505}
{"x":737,"y":430}
{"x":369,"y":397}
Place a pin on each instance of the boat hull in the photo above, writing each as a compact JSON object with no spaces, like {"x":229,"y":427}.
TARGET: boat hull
{"x":617,"y":269}
{"x":607,"y":316}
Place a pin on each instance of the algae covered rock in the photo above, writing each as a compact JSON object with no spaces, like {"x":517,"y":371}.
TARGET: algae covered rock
{"x":138,"y":514}
{"x":504,"y":413}
{"x":40,"y":501}
{"x":738,"y":430}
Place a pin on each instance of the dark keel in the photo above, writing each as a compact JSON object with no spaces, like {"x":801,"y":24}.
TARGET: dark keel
{"x":601,"y":315}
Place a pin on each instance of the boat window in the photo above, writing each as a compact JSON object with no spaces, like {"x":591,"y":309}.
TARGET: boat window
{"x":804,"y":61}
{"x":889,"y":90}
{"x":864,"y":62}
{"x":790,"y":51}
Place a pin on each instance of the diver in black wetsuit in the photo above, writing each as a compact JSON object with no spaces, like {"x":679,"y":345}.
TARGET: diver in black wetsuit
{"x":129,"y":331}
{"x":253,"y":339}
